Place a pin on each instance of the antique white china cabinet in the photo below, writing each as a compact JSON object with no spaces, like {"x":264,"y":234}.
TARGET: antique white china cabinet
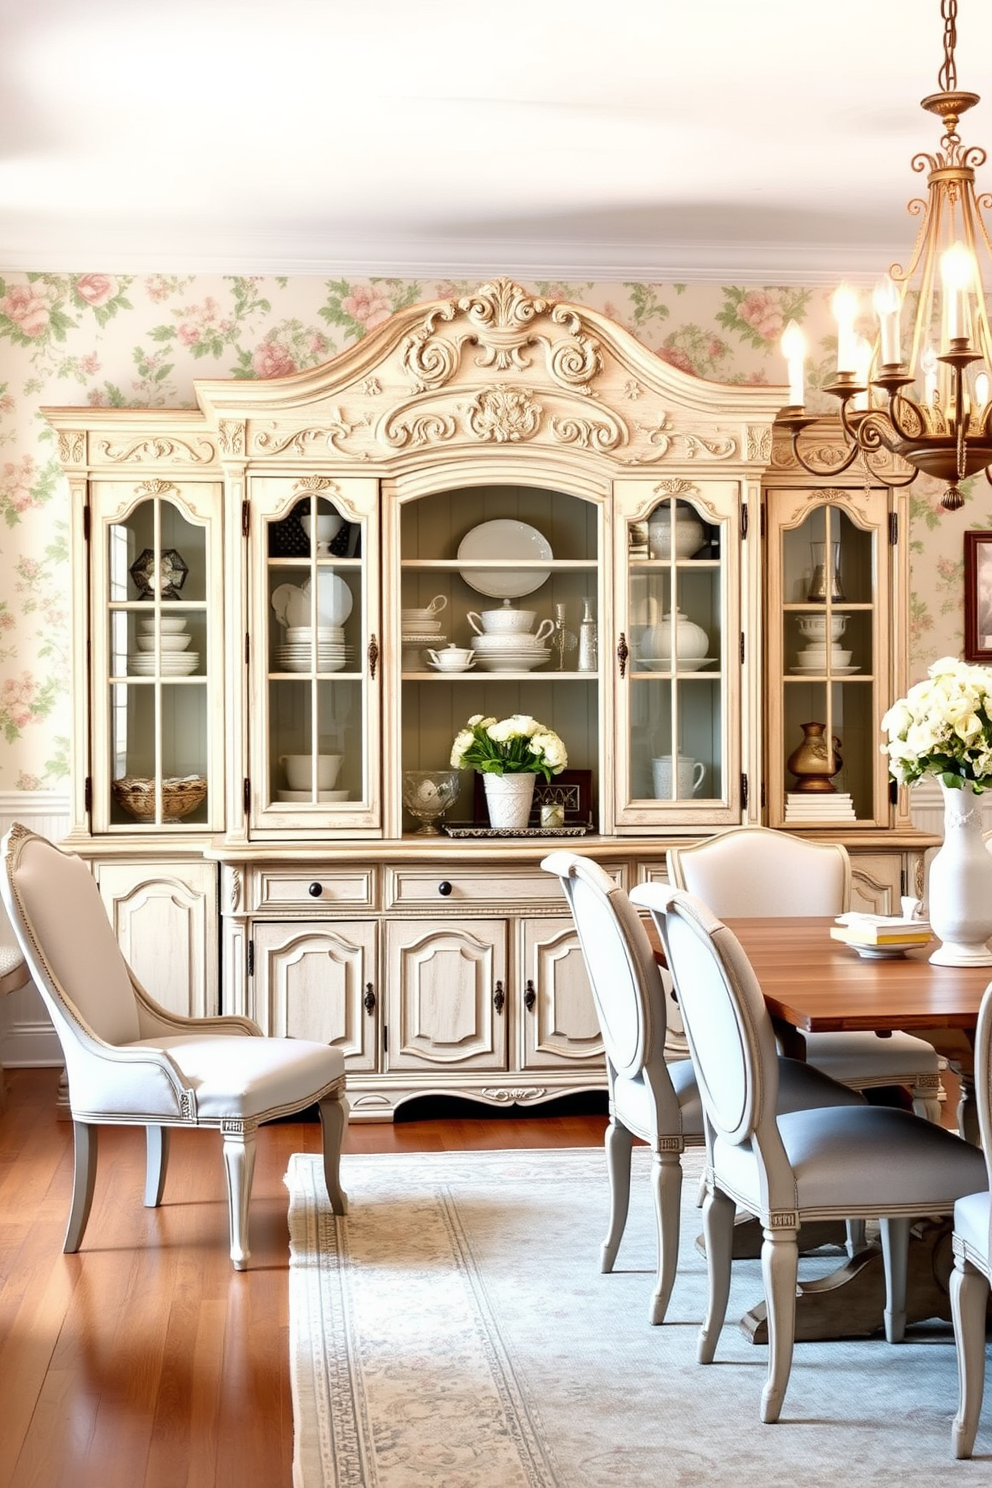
{"x":262,"y":587}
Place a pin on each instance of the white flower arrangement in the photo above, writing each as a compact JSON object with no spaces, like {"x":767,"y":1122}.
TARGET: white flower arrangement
{"x":509,"y":746}
{"x":943,"y":727}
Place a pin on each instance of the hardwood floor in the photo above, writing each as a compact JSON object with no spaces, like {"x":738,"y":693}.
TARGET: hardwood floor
{"x":145,"y":1361}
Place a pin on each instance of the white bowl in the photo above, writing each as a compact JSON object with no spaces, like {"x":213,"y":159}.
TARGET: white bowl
{"x":816,"y":658}
{"x":299,"y":770}
{"x":512,"y":642}
{"x":328,"y":528}
{"x":814,"y":627}
{"x":504,"y":621}
{"x":167,"y":624}
{"x":167,"y":641}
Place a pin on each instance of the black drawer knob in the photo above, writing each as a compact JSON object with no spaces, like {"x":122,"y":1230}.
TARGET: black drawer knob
{"x":315,"y":890}
{"x":444,"y":888}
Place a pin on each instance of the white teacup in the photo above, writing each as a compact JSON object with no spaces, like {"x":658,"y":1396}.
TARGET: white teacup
{"x":690,"y":776}
{"x":505,"y":621}
{"x":452,"y":659}
{"x":299,"y":770}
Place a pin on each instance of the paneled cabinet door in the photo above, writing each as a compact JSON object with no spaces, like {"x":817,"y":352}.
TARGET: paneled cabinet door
{"x":318,"y":981}
{"x":447,"y":996}
{"x":678,"y":651}
{"x":560,"y":1026}
{"x":165,"y":918}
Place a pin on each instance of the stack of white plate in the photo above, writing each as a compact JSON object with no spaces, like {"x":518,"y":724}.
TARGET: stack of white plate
{"x":302,"y":649}
{"x":509,"y":653}
{"x":170,"y":639}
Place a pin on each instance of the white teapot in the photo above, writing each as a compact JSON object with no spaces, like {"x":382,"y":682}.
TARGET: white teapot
{"x":691,"y":640}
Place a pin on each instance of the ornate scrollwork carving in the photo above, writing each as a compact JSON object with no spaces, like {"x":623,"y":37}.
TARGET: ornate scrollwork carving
{"x":502,"y":326}
{"x":759,"y":442}
{"x":151,"y":488}
{"x":315,"y":485}
{"x":203,"y":452}
{"x":716,"y":448}
{"x":236,"y":889}
{"x":603,"y":433}
{"x":506,"y":1095}
{"x":334,"y":428}
{"x":503,"y":415}
{"x":72,"y":446}
{"x":232,"y":438}
{"x":413,"y":425}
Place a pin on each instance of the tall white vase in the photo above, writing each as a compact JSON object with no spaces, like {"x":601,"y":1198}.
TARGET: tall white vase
{"x":960,"y":886}
{"x":508,"y":799}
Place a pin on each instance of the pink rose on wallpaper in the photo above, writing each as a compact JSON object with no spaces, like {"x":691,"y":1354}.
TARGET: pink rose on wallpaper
{"x":26,"y":308}
{"x":272,"y":360}
{"x":676,"y":357}
{"x":762,"y":313}
{"x":188,"y":334}
{"x":15,"y":484}
{"x":366,"y":304}
{"x":96,"y":289}
{"x":18,"y":699}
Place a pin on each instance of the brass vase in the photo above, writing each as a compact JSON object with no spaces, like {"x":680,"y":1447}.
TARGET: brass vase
{"x":815,"y":760}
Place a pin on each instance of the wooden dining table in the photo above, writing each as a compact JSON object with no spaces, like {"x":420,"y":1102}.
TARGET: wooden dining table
{"x":812,"y":984}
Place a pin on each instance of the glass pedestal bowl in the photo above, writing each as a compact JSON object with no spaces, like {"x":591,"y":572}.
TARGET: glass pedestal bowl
{"x":428,"y":794}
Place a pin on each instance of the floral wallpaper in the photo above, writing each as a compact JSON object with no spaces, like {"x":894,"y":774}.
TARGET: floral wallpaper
{"x":118,"y":340}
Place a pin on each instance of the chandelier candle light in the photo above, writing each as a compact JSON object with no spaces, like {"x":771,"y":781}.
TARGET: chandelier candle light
{"x":943,"y":727}
{"x":932,"y":408}
{"x":509,"y":753}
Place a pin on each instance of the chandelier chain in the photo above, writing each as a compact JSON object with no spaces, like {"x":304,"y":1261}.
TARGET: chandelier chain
{"x":947,"y":77}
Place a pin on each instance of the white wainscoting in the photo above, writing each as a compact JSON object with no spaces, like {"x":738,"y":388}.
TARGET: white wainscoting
{"x":26,"y":1034}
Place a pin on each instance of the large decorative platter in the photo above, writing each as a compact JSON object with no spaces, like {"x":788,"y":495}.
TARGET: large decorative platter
{"x":504,"y":539}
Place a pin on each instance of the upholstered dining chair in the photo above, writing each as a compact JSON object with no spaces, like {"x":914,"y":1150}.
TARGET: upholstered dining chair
{"x":786,"y":1169}
{"x":971,"y":1242}
{"x":652,"y":1086}
{"x":131,"y":1062}
{"x":747,"y":872}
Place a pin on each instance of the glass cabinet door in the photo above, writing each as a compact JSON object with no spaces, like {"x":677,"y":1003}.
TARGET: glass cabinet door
{"x":828,"y":652}
{"x":315,"y":654}
{"x":678,"y":711}
{"x":156,"y":662}
{"x":497,"y":611}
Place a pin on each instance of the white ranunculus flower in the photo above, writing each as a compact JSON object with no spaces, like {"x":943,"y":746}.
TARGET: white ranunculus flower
{"x":943,"y":727}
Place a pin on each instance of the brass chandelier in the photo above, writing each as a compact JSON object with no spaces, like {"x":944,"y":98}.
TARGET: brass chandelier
{"x":931,"y":407}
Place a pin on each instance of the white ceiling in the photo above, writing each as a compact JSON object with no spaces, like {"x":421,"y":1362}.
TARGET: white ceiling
{"x":754,"y":141}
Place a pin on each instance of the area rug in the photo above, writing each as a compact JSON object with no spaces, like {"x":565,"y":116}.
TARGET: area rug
{"x":454,"y":1331}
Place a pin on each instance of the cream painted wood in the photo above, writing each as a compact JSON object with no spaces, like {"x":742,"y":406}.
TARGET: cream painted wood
{"x":492,"y":404}
{"x":877,"y":883}
{"x":709,"y":592}
{"x":440,"y":887}
{"x":313,"y":981}
{"x":285,"y":889}
{"x":555,"y":1006}
{"x":165,"y":918}
{"x":446,"y":1000}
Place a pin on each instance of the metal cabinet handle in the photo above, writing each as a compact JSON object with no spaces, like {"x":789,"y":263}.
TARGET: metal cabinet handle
{"x":373,"y":654}
{"x":530,"y":997}
{"x":315,"y":890}
{"x":368,"y":1001}
{"x":499,"y":997}
{"x":623,"y":654}
{"x":444,"y":888}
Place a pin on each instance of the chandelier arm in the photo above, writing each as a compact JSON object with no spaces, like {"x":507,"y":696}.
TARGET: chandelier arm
{"x":825,"y":469}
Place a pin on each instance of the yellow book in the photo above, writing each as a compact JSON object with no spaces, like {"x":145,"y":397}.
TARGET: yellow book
{"x":883,"y":932}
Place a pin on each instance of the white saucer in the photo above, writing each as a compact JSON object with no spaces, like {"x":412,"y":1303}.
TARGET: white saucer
{"x":453,"y":670}
{"x":883,"y":953}
{"x":821,"y":671}
{"x":682,"y":663}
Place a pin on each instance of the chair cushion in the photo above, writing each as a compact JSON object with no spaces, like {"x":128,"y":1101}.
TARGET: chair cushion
{"x":801,"y":1086}
{"x":971,"y":1223}
{"x":869,"y":1160}
{"x":848,"y":1056}
{"x":233,"y":1076}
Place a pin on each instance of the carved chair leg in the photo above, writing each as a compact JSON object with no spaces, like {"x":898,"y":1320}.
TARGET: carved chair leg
{"x":895,"y":1255}
{"x":156,"y":1163}
{"x":617,"y":1144}
{"x":969,"y":1292}
{"x":666,"y":1177}
{"x":333,"y":1120}
{"x":718,"y":1237}
{"x":780,"y":1271}
{"x":239,"y":1163}
{"x":84,"y":1177}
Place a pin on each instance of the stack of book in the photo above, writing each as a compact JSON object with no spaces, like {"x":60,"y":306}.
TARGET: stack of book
{"x":881,"y":930}
{"x":818,"y":806}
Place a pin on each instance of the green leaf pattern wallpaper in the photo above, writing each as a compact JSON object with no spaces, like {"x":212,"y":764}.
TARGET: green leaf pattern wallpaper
{"x":124,"y":340}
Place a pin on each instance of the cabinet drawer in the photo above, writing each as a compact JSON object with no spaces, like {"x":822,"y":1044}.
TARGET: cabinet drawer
{"x":293,"y":889}
{"x":494,"y":888}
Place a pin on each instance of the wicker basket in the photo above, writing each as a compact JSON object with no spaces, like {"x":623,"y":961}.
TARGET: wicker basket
{"x":180,"y":796}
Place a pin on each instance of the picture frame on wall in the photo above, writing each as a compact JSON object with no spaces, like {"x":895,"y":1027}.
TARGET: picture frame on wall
{"x":978,"y":596}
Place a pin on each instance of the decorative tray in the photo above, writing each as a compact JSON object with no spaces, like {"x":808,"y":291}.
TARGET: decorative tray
{"x":456,"y":831}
